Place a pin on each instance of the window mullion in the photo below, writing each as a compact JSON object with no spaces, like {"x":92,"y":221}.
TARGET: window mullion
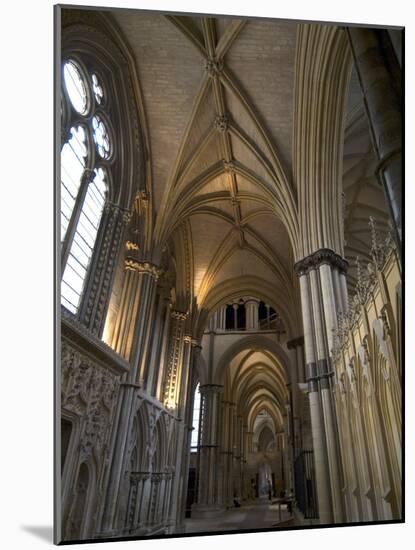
{"x":70,"y":232}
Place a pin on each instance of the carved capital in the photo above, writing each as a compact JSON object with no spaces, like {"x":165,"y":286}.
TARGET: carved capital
{"x":318,"y":258}
{"x":130,"y":245}
{"x":179,"y":315}
{"x":143,"y":267}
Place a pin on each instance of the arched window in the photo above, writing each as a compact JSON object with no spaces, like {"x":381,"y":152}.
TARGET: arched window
{"x":85,"y":156}
{"x":195,"y":421}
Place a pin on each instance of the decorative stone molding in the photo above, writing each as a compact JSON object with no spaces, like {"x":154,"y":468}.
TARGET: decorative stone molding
{"x":88,"y":390}
{"x":367,"y":279}
{"x":94,"y":306}
{"x":171,"y":386}
{"x":92,"y":346}
{"x":214,"y":67}
{"x":321,"y":257}
{"x":139,"y":476}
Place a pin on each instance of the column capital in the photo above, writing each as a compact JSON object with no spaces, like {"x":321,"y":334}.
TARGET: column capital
{"x":180,"y":315}
{"x":320,"y":257}
{"x":142,"y":267}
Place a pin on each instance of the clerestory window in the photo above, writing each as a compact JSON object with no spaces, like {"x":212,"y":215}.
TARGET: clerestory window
{"x":195,"y":420}
{"x":85,"y":155}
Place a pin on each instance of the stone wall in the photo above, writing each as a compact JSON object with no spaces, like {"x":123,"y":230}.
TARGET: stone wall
{"x":367,"y":371}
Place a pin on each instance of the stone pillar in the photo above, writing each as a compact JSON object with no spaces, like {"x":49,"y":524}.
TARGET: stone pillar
{"x":132,"y":328}
{"x":252,"y":317}
{"x":222,"y":318}
{"x":288,"y":467}
{"x":380,"y":79}
{"x":153,"y":367}
{"x":268,"y":307}
{"x":320,"y":303}
{"x":163,"y":361}
{"x":188,"y":417}
{"x":175,"y":359}
{"x":227,"y":451}
{"x":235,"y":316}
{"x":317,"y":425}
{"x":207,"y":498}
{"x":131,"y":340}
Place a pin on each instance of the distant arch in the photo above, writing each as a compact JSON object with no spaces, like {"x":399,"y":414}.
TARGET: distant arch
{"x":256,"y":341}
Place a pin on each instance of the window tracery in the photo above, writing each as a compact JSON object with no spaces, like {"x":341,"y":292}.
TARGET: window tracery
{"x":84,"y":177}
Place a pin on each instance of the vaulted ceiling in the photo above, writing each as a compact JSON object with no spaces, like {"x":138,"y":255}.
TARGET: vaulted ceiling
{"x":255,"y":381}
{"x":218,"y":97}
{"x":363,"y":195}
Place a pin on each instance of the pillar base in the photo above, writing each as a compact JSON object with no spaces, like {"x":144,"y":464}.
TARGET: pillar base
{"x":202,"y":511}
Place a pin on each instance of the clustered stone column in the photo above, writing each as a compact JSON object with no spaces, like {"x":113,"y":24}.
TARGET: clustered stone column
{"x":131,"y":339}
{"x":296,"y":347}
{"x":191,"y":356}
{"x":217,"y":321}
{"x":227,"y":452}
{"x":323,"y":295}
{"x":155,"y":365}
{"x":380,"y":80}
{"x":133,"y":324}
{"x":175,"y":356}
{"x":208,"y":504}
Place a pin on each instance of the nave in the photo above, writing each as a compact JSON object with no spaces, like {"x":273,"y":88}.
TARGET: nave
{"x":231,"y":274}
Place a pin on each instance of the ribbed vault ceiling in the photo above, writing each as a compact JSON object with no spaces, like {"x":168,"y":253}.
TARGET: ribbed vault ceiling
{"x":255,"y":381}
{"x":220,"y":141}
{"x":218,"y":97}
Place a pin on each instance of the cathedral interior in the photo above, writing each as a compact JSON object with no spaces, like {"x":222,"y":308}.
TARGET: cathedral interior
{"x":231,"y":287}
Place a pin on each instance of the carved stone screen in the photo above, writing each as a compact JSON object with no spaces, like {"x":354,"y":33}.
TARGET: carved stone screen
{"x":228,"y":214}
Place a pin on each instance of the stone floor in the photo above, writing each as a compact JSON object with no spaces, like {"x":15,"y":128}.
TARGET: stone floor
{"x":257,"y":515}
